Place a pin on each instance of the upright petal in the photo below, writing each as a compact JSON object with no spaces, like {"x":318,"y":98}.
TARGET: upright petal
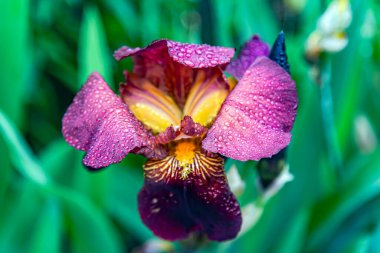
{"x":199,"y":56}
{"x":206,"y":96}
{"x":173,"y":66}
{"x":152,"y":107}
{"x":256,"y":119}
{"x":191,"y":55}
{"x":99,"y":123}
{"x":173,"y":206}
{"x":248,"y":54}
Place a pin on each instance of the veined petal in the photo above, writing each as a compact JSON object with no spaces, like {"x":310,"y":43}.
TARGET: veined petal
{"x":100,"y":123}
{"x":256,"y":119}
{"x":172,"y":207}
{"x":206,"y":96}
{"x":151,"y":106}
{"x":191,"y":55}
{"x":172,"y":66}
{"x":248,"y":54}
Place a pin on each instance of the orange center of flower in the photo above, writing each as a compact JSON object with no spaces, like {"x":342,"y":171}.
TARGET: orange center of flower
{"x":184,"y":153}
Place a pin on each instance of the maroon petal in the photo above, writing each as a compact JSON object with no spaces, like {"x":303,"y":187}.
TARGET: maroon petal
{"x":216,"y":208}
{"x":100,"y":123}
{"x":125,"y":51}
{"x":256,"y":119}
{"x":190,"y":128}
{"x":191,"y":55}
{"x":173,"y":66}
{"x":172,"y":207}
{"x":250,"y":51}
{"x":164,"y":210}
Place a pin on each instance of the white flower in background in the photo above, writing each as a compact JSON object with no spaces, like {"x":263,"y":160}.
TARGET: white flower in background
{"x":365,"y":135}
{"x":237,"y":185}
{"x":330,"y":35}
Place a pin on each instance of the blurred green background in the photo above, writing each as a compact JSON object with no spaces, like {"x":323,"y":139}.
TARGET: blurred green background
{"x":50,"y":203}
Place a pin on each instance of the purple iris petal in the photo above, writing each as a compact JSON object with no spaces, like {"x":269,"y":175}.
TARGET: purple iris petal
{"x":250,"y":51}
{"x":175,"y":209}
{"x":100,"y":123}
{"x":256,"y":119}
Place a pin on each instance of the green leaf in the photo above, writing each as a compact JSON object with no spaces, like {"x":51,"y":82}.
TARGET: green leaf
{"x":90,"y":229}
{"x":93,"y":51}
{"x":20,"y":153}
{"x":335,"y":208}
{"x":46,"y":236}
{"x":296,"y":233}
{"x":15,"y":57}
{"x":18,"y":216}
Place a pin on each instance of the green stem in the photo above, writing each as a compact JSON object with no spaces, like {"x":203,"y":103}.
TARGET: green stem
{"x":330,"y":131}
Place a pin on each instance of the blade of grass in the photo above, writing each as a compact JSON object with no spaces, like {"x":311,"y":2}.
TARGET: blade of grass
{"x":94,"y":221}
{"x":93,"y":51}
{"x":21,"y":155}
{"x":331,"y":212}
{"x":15,"y":57}
{"x":150,"y":19}
{"x":46,"y":236}
{"x":17,"y":217}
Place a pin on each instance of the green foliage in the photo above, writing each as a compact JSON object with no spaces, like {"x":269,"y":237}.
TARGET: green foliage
{"x":50,"y":203}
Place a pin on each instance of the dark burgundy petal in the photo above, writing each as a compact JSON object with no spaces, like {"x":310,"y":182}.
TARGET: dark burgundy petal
{"x":172,"y":205}
{"x":100,"y":123}
{"x":164,"y":210}
{"x":216,"y":208}
{"x":248,"y":54}
{"x":256,"y":119}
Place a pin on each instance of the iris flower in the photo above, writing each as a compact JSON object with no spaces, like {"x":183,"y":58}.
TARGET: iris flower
{"x":179,"y":110}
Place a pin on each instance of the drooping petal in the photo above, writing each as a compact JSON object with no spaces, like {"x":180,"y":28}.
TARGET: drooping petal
{"x":216,"y":208}
{"x":163,"y":209}
{"x":99,"y":123}
{"x":256,"y":119}
{"x":173,"y":206}
{"x":248,"y":54}
{"x":173,"y":66}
